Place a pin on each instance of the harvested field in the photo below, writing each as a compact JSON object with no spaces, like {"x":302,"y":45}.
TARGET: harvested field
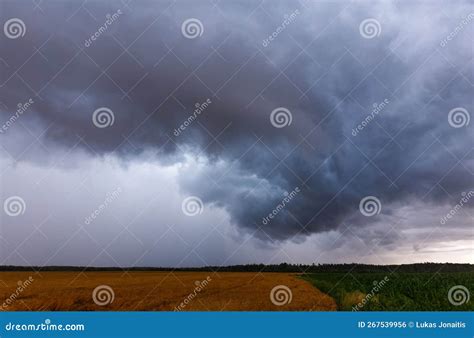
{"x":159,"y":291}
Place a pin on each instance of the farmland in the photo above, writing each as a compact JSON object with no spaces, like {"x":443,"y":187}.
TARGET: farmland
{"x":158,"y":291}
{"x":394,"y":292}
{"x":424,"y":287}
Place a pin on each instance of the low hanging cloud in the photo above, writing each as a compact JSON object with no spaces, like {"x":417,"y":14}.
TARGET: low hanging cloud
{"x":278,"y":116}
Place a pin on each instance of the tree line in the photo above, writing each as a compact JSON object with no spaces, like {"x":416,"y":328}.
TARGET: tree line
{"x":283,"y":267}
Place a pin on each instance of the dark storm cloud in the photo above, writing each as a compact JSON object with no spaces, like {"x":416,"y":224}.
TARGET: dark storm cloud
{"x":408,"y":151}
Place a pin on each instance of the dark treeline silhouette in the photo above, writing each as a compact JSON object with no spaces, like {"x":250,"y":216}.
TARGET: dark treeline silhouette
{"x":283,"y":267}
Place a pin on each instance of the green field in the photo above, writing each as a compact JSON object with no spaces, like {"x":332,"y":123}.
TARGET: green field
{"x":397,"y":292}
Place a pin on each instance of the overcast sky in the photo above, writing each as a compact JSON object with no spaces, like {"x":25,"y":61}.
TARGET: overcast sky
{"x":164,"y":133}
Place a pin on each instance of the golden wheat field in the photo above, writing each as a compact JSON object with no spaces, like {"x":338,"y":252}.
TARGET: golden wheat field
{"x":159,"y":291}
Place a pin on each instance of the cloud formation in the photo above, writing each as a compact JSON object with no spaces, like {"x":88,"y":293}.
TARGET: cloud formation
{"x":394,"y":86}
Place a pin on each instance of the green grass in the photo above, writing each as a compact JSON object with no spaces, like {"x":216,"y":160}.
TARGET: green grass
{"x":402,"y":291}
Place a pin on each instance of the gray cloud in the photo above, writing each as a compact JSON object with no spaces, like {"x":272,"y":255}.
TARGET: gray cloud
{"x":319,"y":67}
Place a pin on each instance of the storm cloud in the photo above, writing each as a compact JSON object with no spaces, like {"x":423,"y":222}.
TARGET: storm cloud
{"x":375,"y":100}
